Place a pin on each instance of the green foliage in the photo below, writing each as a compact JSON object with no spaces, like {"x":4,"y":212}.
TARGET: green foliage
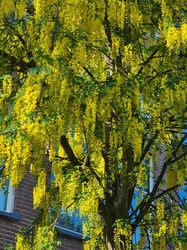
{"x":9,"y":247}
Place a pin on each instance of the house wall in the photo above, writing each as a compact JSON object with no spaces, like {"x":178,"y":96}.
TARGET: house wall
{"x":23,"y":205}
{"x":157,"y":166}
{"x":70,"y":244}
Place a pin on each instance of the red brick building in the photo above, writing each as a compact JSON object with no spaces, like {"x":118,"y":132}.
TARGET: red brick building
{"x":16,"y":211}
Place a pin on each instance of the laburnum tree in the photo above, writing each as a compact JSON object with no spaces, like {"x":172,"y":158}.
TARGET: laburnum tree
{"x":94,"y":93}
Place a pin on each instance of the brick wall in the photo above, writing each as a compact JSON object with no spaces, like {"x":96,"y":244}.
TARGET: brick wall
{"x":71,"y":244}
{"x":24,"y":206}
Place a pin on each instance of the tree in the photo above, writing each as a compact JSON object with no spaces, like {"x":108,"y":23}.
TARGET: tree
{"x":96,"y":87}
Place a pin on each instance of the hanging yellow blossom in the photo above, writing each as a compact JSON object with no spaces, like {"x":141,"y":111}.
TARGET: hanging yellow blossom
{"x":123,"y":230}
{"x":7,"y":87}
{"x":22,"y":243}
{"x":184,"y":34}
{"x":173,"y":226}
{"x":21,"y":8}
{"x":40,"y":190}
{"x":160,"y":211}
{"x":184,"y":220}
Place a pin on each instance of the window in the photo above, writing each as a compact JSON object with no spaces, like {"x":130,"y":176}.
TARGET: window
{"x":3,"y":198}
{"x":7,"y":198}
{"x":71,"y":225}
{"x":140,"y":193}
{"x":182,"y":195}
{"x":7,"y":203}
{"x":71,"y":222}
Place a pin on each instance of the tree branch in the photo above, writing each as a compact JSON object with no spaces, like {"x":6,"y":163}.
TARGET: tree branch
{"x":31,"y":63}
{"x":67,"y":148}
{"x":166,"y":191}
{"x":73,"y":159}
{"x":145,"y":204}
{"x":147,"y":61}
{"x":90,"y":74}
{"x":148,"y":147}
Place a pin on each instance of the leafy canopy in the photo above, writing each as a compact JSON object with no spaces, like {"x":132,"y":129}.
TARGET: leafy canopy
{"x":89,"y":90}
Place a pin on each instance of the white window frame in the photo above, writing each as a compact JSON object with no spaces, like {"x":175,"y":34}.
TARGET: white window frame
{"x":10,"y":197}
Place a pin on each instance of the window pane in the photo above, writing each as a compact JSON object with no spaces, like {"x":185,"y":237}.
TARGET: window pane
{"x":3,"y":197}
{"x":71,"y":222}
{"x":183,"y":194}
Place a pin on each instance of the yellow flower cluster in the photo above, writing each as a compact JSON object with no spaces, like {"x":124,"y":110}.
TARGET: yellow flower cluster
{"x":128,"y":55}
{"x":21,"y":243}
{"x":44,"y":236}
{"x":68,"y":187}
{"x":184,"y":220}
{"x":96,"y":229}
{"x":90,"y":114}
{"x":45,"y":37}
{"x":115,"y":45}
{"x":72,"y":11}
{"x":162,"y":229}
{"x":171,"y":177}
{"x":4,"y":149}
{"x":7,"y":7}
{"x":77,"y":143}
{"x":20,"y":155}
{"x":21,"y":8}
{"x":38,"y":4}
{"x":177,"y":37}
{"x":173,"y":226}
{"x":61,"y":47}
{"x":39,"y":191}
{"x":27,"y":102}
{"x":37,"y":135}
{"x":7,"y":87}
{"x":167,"y":13}
{"x":135,"y":136}
{"x":160,"y":211}
{"x":180,"y":96}
{"x":116,"y":12}
{"x":98,"y":161}
{"x":121,"y":230}
{"x":89,"y":205}
{"x":79,"y":55}
{"x":184,"y":34}
{"x":135,"y":15}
